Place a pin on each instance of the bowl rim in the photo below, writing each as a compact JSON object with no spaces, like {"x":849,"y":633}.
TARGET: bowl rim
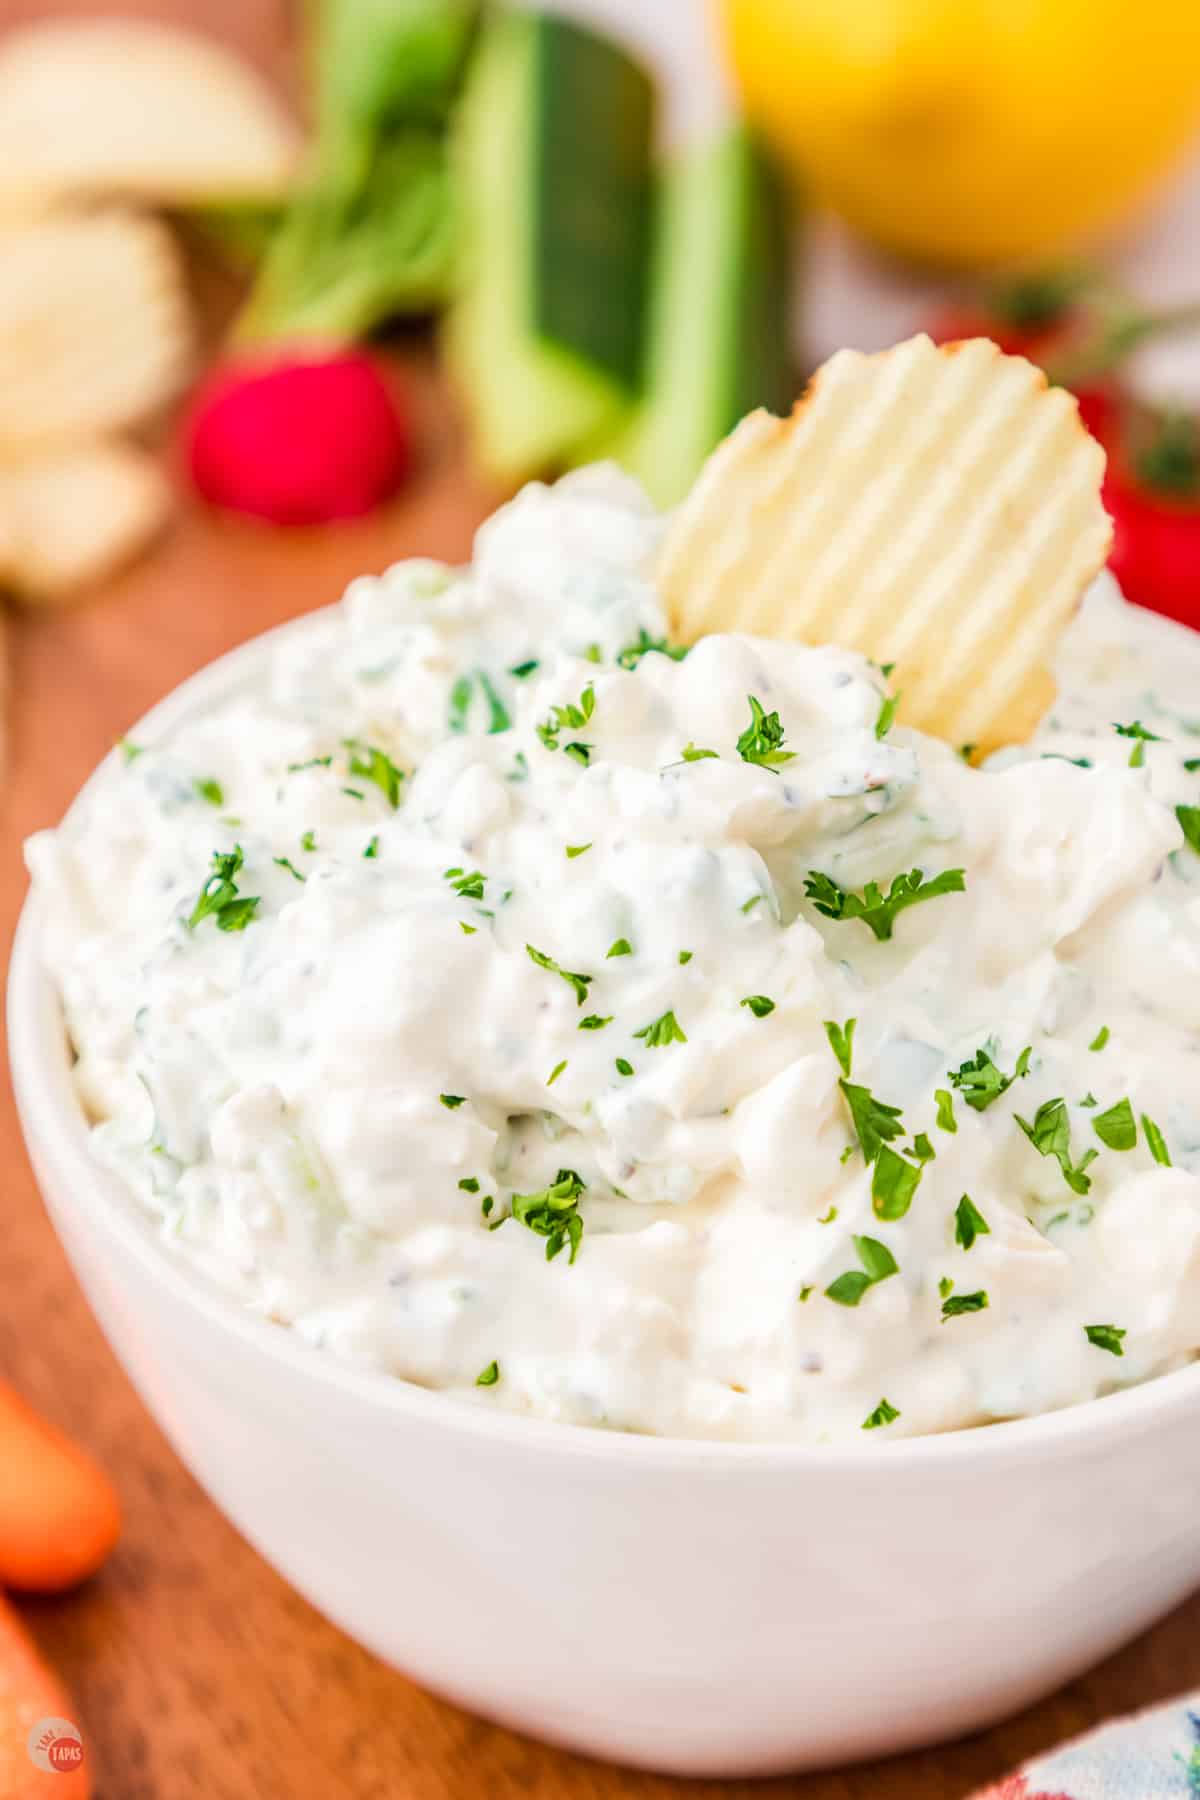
{"x":53,"y":1121}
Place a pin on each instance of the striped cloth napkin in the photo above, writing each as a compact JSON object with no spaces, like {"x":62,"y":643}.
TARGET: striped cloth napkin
{"x":1154,"y":1755}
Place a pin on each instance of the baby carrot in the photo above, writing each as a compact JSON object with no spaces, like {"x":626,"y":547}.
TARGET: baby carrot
{"x":59,"y":1514}
{"x":30,"y":1696}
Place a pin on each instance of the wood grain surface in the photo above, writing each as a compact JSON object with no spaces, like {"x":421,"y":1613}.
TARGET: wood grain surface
{"x":195,"y":1669}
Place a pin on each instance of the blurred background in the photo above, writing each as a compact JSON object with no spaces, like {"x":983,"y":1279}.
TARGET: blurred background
{"x":288,"y":292}
{"x":272,"y":259}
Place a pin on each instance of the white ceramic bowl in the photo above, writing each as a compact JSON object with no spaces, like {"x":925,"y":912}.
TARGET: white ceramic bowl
{"x":701,"y":1608}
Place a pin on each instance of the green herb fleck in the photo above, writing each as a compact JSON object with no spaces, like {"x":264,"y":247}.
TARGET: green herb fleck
{"x":1050,"y":1135}
{"x":468,"y":885}
{"x":945,"y":1286}
{"x":281,"y":862}
{"x":553,"y":1212}
{"x":887,"y":716}
{"x":632,"y":654}
{"x":1138,"y":731}
{"x":872,"y":906}
{"x":664,"y":1030}
{"x":210,"y":790}
{"x":521,"y":671}
{"x":373,"y":765}
{"x":875,"y":1123}
{"x":884,"y":1414}
{"x":685,"y":956}
{"x":829,"y":1217}
{"x":957,"y":1304}
{"x":1106,"y":1337}
{"x":619,"y":947}
{"x":572,"y":717}
{"x":579,"y":983}
{"x":129,"y":750}
{"x":1156,"y":1143}
{"x":555,"y":1072}
{"x":624,"y":1067}
{"x":219,"y":898}
{"x":969,"y":1223}
{"x":804,"y":1293}
{"x":1116,"y":1127}
{"x":309,"y":841}
{"x":488,"y":1377}
{"x":759,"y":1005}
{"x":594,"y":1022}
{"x":1189,"y":820}
{"x":1101,"y":1038}
{"x":980,"y":1081}
{"x":877,"y":1264}
{"x":945,"y":1110}
{"x":841,"y":1042}
{"x":469,"y":1184}
{"x":574,"y":850}
{"x":762,"y":740}
{"x":893,"y":1184}
{"x":452,"y":1101}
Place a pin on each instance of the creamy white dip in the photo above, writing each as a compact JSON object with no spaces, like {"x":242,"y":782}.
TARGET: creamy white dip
{"x":512,"y":937}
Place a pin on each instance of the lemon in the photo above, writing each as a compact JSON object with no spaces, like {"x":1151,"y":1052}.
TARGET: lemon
{"x":971,"y":131}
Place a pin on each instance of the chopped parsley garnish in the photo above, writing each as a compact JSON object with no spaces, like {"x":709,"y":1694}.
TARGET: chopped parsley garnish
{"x":922,"y":1149}
{"x":884,"y":1413}
{"x":574,"y":850}
{"x":980,"y":1081}
{"x":685,"y":956}
{"x":1101,"y":1038}
{"x":1156,"y":1142}
{"x":460,"y":702}
{"x":841,"y":1042}
{"x":219,"y":898}
{"x":956,"y":1304}
{"x":762,"y":740}
{"x":580,"y":983}
{"x":666,"y":1029}
{"x":467,"y":930}
{"x":553,"y":1212}
{"x":129,"y":750}
{"x":572,"y":717}
{"x":632,"y":654}
{"x":1117,"y":1127}
{"x":969,"y":1223}
{"x":281,"y":862}
{"x":887,"y":716}
{"x":693,"y":753}
{"x":314,"y":762}
{"x":485,"y":1208}
{"x":624,"y":1066}
{"x":828,"y":1217}
{"x":759,"y":1005}
{"x":309,"y":841}
{"x":619,"y":947}
{"x":469,"y":1184}
{"x":804,"y":1293}
{"x":521,"y":671}
{"x":875,"y":1123}
{"x":467,"y":884}
{"x":1106,"y":1337}
{"x":946,"y":1120}
{"x":354,"y":793}
{"x":372,"y":849}
{"x":452,"y":1101}
{"x":1089,"y":1099}
{"x":373,"y":765}
{"x":748,"y":906}
{"x":1191,"y":764}
{"x":210,"y":790}
{"x":893,"y":1184}
{"x":594,"y":1022}
{"x":1189,"y":820}
{"x":945,"y":1286}
{"x":872,"y":906}
{"x":877,"y":1264}
{"x":555,"y":1072}
{"x":488,"y":1377}
{"x":580,"y":753}
{"x":593,"y":654}
{"x":1050,"y":1135}
{"x":1137,"y":730}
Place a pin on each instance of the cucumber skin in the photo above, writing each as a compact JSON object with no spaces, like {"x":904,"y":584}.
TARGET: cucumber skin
{"x":719,"y":310}
{"x":591,"y":226}
{"x":531,"y":392}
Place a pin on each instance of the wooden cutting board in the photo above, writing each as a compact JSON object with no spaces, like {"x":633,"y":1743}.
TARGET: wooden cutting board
{"x":196,"y":1671}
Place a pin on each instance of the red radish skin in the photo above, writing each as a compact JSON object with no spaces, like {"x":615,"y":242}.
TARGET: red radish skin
{"x":59,"y":1513}
{"x":297,"y":440}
